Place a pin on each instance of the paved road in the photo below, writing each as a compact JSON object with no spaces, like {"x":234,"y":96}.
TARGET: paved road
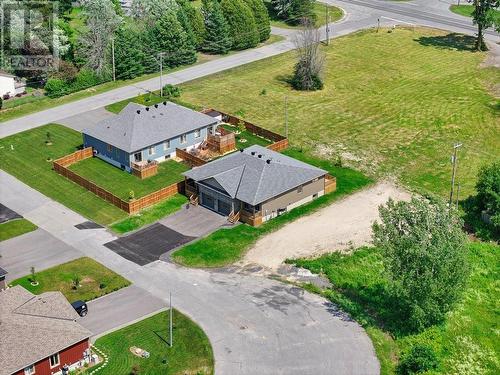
{"x":360,"y":14}
{"x":256,"y":325}
{"x":38,"y":248}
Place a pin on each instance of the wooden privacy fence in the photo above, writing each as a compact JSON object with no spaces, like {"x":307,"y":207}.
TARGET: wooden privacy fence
{"x":132,"y":206}
{"x":279,"y":142}
{"x":192,"y":160}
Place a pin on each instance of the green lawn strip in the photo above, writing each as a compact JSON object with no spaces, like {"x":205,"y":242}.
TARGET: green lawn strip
{"x":465,"y":343}
{"x":249,"y":138}
{"x":319,"y":11}
{"x":14,"y":228}
{"x":121,"y":183}
{"x":399,"y":118}
{"x":466,"y":10}
{"x":190,"y":354}
{"x":27,"y":161}
{"x":95,"y":280}
{"x":150,"y":215}
{"x":226,"y":246}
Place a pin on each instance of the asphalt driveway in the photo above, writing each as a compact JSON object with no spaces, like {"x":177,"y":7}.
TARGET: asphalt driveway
{"x":147,"y":245}
{"x":119,"y":309}
{"x":6,"y":214}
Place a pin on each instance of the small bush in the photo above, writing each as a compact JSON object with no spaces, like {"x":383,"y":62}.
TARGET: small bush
{"x":419,"y":359}
{"x":488,"y":191}
{"x":171,"y":91}
{"x":102,"y":285}
{"x":1,"y":103}
{"x":56,"y":87}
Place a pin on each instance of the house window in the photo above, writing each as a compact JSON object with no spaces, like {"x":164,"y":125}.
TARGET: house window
{"x":151,"y":151}
{"x":110,"y":148}
{"x":184,"y":138}
{"x":29,"y":370}
{"x":197,"y":133}
{"x":166,"y":145}
{"x":54,"y":360}
{"x":299,"y":189}
{"x":211,"y":130}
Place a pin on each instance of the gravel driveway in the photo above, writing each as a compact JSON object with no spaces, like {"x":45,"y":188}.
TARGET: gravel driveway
{"x":342,"y":224}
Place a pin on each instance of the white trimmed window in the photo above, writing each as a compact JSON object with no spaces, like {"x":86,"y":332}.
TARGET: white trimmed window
{"x":30,"y":370}
{"x":151,"y":151}
{"x":54,"y":360}
{"x":166,"y":145}
{"x":183,"y":138}
{"x":197,"y":133}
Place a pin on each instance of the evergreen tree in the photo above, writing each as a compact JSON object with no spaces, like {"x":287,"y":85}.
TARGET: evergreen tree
{"x":170,"y":38}
{"x":261,"y":18}
{"x":217,"y":38}
{"x":185,"y":22}
{"x":128,"y":54}
{"x":196,"y":22}
{"x":294,"y":12}
{"x":241,"y":22}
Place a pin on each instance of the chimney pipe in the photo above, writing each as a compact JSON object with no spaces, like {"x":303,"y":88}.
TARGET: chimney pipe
{"x":138,"y":111}
{"x":147,"y":108}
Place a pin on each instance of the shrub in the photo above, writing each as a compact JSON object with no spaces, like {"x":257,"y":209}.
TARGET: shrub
{"x":419,"y":359}
{"x":488,"y":191}
{"x":102,"y":285}
{"x":1,"y":103}
{"x":171,"y":91}
{"x":56,"y":87}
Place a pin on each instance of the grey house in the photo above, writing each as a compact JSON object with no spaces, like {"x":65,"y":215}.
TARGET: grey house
{"x":140,"y":134}
{"x":256,"y":184}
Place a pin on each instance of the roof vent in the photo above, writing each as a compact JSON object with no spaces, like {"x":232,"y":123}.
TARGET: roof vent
{"x":147,"y":108}
{"x":253,"y":152}
{"x":241,"y":150}
{"x":156,"y":105}
{"x":268,"y":161}
{"x":138,"y":111}
{"x":260,"y":156}
{"x":164,"y":103}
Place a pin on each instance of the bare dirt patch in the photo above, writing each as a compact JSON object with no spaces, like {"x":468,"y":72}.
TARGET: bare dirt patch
{"x":340,"y":226}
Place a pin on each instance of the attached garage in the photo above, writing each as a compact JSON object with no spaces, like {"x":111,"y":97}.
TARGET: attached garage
{"x":216,"y":200}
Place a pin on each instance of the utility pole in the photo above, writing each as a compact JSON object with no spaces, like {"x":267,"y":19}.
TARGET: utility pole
{"x":170,"y":318}
{"x":286,"y":116}
{"x":161,"y":74}
{"x":327,"y":25}
{"x":454,"y":160}
{"x":458,"y":192}
{"x":113,"y":57}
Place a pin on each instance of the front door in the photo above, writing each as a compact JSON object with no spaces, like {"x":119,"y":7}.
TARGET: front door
{"x":138,"y":157}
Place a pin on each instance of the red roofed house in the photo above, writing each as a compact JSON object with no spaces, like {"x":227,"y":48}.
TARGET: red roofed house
{"x":39,"y":334}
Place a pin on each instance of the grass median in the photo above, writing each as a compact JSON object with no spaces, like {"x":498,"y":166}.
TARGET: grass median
{"x":225,"y":246}
{"x":14,"y":228}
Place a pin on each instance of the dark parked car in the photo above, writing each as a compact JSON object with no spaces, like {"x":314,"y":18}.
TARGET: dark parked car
{"x":80,"y":307}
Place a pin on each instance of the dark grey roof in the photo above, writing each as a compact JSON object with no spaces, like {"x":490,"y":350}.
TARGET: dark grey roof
{"x":3,"y":272}
{"x":35,"y":327}
{"x":251,"y":179}
{"x":132,"y":131}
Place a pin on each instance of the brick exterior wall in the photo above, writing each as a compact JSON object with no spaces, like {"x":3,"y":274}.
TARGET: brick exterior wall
{"x":67,"y":356}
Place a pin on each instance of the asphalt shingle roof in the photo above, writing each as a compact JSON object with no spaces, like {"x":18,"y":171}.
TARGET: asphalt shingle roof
{"x":3,"y":272}
{"x":131,"y":131}
{"x":34,"y":327}
{"x":252,"y":180}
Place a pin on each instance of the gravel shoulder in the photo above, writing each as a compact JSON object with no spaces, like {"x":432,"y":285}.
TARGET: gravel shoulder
{"x":343,"y":224}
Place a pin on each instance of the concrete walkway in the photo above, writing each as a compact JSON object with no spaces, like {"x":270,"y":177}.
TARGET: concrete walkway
{"x":256,"y":325}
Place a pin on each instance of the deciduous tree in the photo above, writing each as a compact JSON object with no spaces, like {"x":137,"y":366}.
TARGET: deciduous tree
{"x":307,"y":73}
{"x":484,"y":16}
{"x":425,"y":259}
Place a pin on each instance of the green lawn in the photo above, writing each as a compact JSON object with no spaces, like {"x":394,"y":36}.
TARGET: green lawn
{"x":14,"y":228}
{"x":319,"y":11}
{"x":226,"y":246}
{"x":95,"y":280}
{"x":191,"y":353}
{"x":246,"y":139}
{"x":27,"y":161}
{"x":467,"y":343}
{"x":466,"y":10}
{"x":121,"y":183}
{"x":150,"y":215}
{"x":398,"y":116}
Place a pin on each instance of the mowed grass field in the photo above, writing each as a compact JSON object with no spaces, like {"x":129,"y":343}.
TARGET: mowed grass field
{"x":396,"y":101}
{"x":191,"y":353}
